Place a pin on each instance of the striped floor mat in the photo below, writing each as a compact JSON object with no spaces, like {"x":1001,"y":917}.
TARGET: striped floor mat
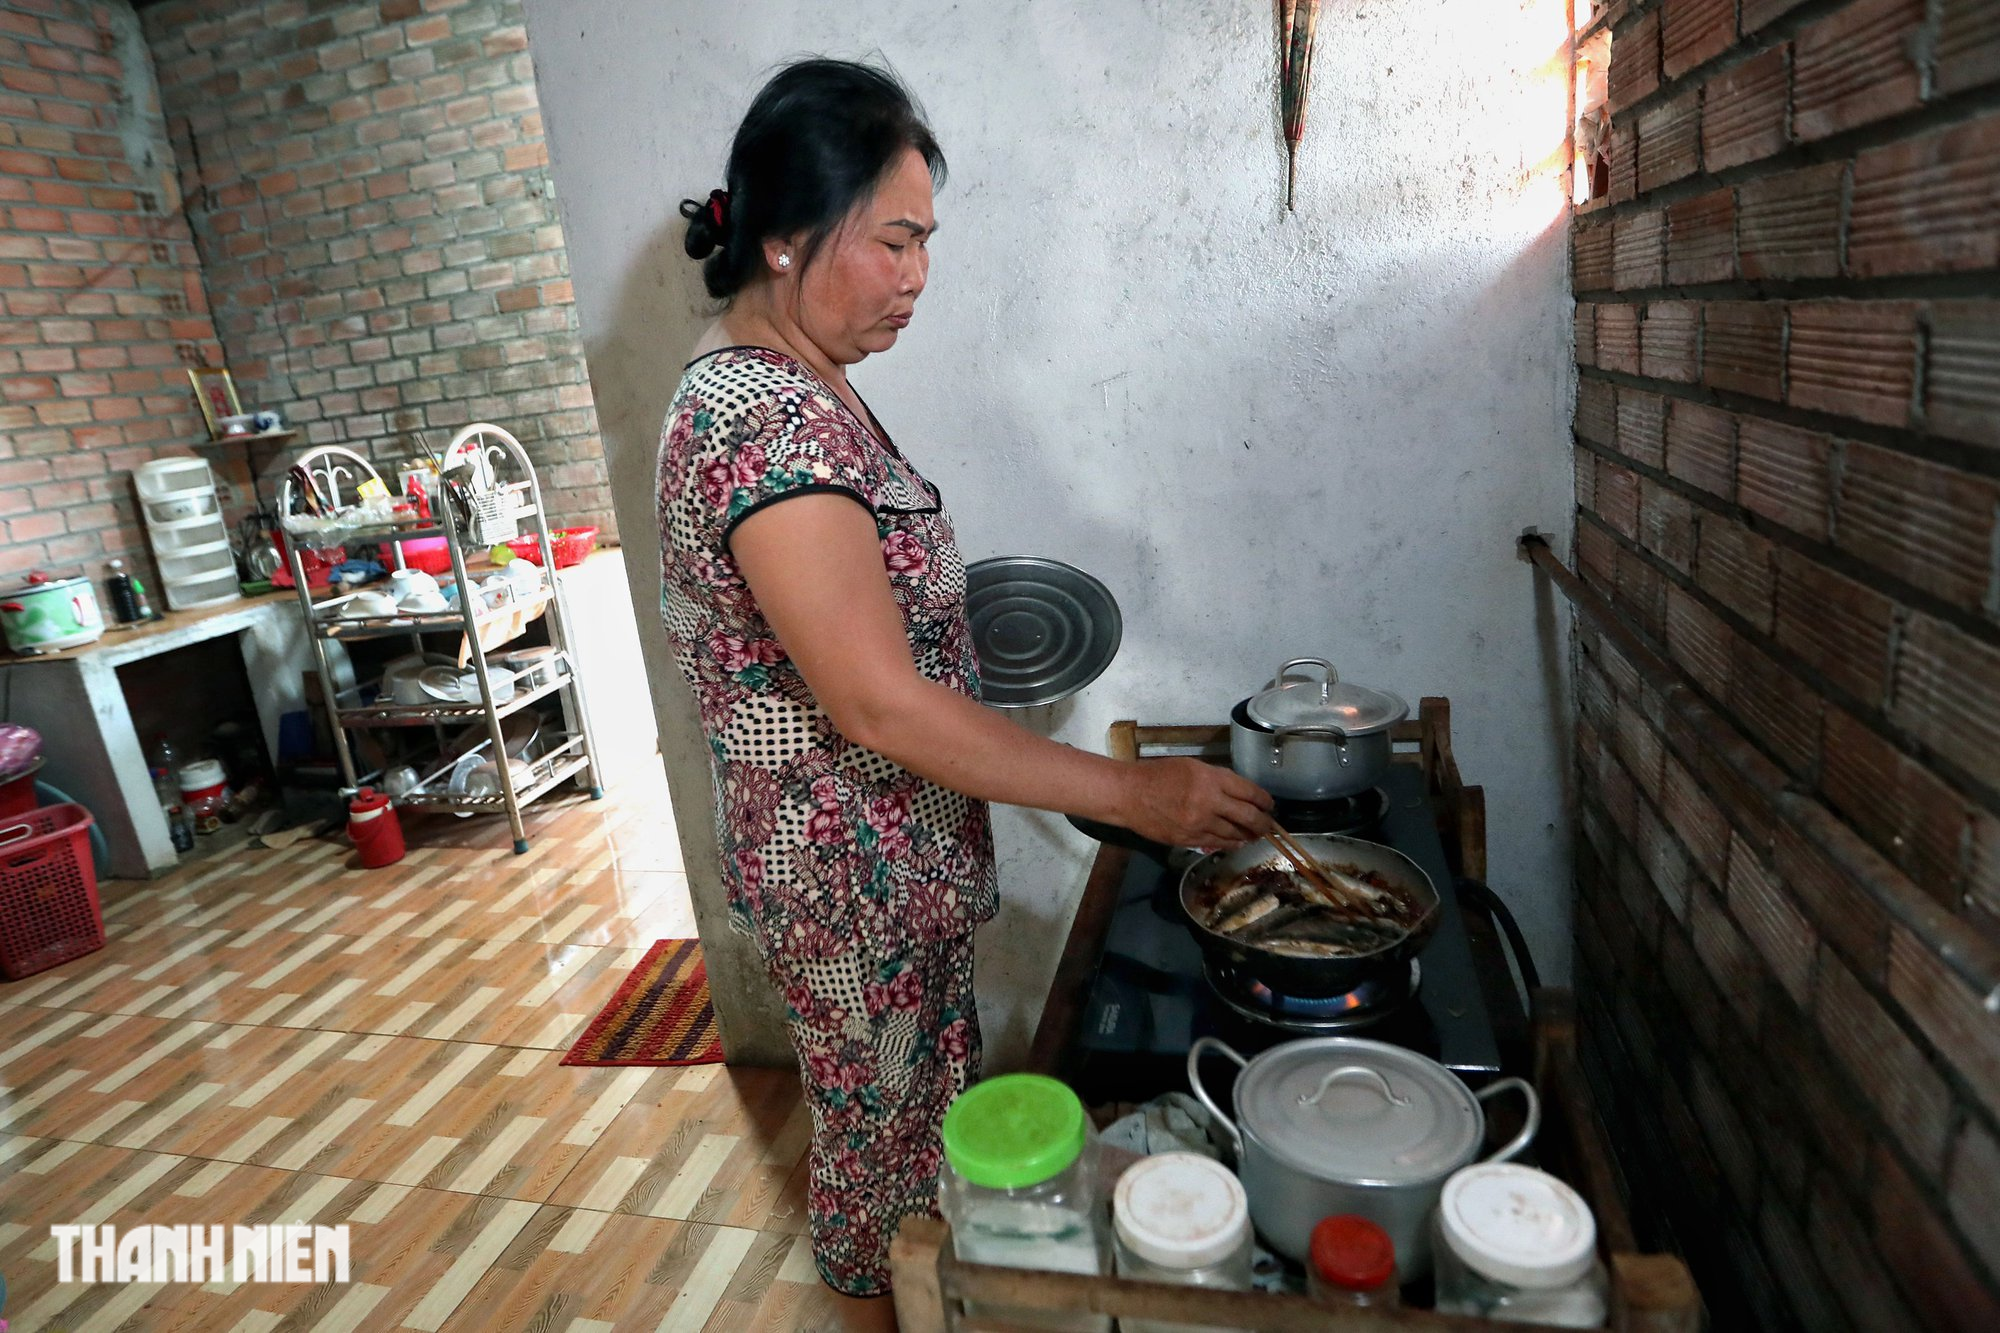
{"x":661,"y":1015}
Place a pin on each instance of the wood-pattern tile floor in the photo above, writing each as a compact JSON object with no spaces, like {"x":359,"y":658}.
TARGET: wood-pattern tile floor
{"x":278,"y":1036}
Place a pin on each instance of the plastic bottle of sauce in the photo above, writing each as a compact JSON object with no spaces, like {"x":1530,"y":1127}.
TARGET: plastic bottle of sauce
{"x":1351,"y":1262}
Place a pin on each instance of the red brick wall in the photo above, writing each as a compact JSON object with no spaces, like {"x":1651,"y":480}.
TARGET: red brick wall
{"x":367,"y":183}
{"x":101,"y":302}
{"x":1788,"y":471}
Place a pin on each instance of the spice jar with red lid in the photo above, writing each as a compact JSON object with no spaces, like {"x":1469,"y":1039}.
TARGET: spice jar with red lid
{"x":374,"y":829}
{"x":1351,"y":1261}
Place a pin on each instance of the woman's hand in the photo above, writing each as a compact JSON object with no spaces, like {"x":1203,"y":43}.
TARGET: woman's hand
{"x":1187,"y":803}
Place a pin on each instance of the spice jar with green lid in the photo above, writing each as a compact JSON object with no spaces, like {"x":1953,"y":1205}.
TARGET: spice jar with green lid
{"x":1018,"y":1186}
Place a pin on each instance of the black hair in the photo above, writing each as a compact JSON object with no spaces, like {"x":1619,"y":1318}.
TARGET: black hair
{"x":818,"y":138}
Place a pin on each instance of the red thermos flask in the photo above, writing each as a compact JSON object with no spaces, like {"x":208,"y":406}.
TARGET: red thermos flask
{"x":374,"y":829}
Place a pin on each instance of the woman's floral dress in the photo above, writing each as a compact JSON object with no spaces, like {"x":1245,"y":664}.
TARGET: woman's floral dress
{"x":859,"y":881}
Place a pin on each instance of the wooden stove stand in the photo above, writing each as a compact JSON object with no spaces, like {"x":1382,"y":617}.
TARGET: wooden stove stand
{"x":1650,"y":1293}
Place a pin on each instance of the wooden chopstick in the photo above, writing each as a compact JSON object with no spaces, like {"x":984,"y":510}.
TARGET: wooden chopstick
{"x":1309,"y":869}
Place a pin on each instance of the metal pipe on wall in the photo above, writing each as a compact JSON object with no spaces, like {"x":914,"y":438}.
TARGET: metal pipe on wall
{"x":1964,"y":950}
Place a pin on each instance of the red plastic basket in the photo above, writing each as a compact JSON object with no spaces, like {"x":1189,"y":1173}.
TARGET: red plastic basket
{"x":572,"y":545}
{"x":430,"y":554}
{"x":48,"y":891}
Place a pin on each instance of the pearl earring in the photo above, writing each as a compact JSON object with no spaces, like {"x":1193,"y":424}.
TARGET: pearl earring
{"x":784,"y":261}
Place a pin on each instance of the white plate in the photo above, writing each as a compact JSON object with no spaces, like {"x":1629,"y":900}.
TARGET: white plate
{"x":441,"y":683}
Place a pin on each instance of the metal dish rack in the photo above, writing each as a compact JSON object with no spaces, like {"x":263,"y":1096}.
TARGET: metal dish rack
{"x":495,"y":510}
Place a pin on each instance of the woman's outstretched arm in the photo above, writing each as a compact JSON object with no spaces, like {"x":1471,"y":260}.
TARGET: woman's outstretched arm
{"x":814,"y":564}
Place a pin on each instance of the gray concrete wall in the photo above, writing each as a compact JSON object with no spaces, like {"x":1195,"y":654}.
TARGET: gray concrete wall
{"x":1269,"y":433}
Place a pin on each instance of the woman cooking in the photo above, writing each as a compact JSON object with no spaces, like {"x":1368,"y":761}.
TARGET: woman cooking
{"x":815,"y":597}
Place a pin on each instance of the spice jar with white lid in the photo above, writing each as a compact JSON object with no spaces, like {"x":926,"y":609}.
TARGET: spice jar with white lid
{"x":1516,"y":1245}
{"x":1181,"y":1217}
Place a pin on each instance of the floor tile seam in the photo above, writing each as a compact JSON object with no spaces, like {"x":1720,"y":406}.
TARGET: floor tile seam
{"x":515,"y":1046}
{"x":321,"y":1175}
{"x":398,"y":933}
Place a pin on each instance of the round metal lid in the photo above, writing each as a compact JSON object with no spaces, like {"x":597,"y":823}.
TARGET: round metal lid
{"x":46,"y":585}
{"x":1043,"y":629}
{"x":1300,"y":698}
{"x":1365,"y":1112}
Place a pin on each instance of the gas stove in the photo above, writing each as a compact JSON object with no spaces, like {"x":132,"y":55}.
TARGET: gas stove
{"x":1152,"y":996}
{"x":1358,"y":816}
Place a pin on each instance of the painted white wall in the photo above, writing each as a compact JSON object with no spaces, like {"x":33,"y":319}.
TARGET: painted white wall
{"x":1270,"y":433}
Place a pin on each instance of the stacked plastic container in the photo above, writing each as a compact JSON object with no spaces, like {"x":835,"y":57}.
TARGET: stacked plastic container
{"x":190,"y":540}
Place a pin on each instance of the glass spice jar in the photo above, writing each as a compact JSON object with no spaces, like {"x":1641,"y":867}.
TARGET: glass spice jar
{"x":1516,"y":1245}
{"x":1183,"y":1218}
{"x":1018,"y":1187}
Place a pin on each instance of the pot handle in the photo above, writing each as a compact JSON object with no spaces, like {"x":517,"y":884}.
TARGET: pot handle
{"x":1326,"y":729}
{"x":1534,"y":1122}
{"x":1325,"y":686}
{"x":1364,"y":1071}
{"x":1195,"y":1051}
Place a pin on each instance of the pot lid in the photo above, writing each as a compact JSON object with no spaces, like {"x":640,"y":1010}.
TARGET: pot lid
{"x":1359,"y":1111}
{"x":1301,"y":698}
{"x":1043,"y":629}
{"x":1517,"y":1225}
{"x":39,"y":583}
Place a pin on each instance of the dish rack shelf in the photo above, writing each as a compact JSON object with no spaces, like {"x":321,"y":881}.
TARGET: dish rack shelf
{"x":487,"y":493}
{"x":337,"y":626}
{"x":380,"y":714}
{"x":544,"y":774}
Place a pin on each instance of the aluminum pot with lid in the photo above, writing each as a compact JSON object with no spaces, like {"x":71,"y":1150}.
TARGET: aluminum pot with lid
{"x":1310,"y":736}
{"x":1336,"y":1125}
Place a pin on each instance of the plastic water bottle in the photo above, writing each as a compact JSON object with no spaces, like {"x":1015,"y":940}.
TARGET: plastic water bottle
{"x":165,"y":767}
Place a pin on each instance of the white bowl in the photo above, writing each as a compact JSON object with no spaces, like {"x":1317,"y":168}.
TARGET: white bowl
{"x":406,"y":582}
{"x":524,"y":576}
{"x":424,"y":603}
{"x":369,"y":604}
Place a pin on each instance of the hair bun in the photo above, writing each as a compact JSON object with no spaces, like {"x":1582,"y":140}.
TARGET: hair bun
{"x":708,"y":223}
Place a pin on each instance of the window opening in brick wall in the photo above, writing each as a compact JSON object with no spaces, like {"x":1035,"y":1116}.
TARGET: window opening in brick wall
{"x":1590,"y":171}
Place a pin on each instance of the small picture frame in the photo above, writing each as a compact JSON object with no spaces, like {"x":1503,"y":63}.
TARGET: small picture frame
{"x":216,"y":393}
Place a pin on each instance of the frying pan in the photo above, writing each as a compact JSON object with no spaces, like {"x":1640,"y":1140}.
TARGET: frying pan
{"x":1207,"y":879}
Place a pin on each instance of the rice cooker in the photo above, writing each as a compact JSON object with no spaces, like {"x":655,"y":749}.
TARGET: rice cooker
{"x":46,"y":615}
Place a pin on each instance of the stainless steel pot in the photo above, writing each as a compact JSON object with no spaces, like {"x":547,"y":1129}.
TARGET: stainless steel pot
{"x":1346,"y":1125}
{"x":1313,"y":739}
